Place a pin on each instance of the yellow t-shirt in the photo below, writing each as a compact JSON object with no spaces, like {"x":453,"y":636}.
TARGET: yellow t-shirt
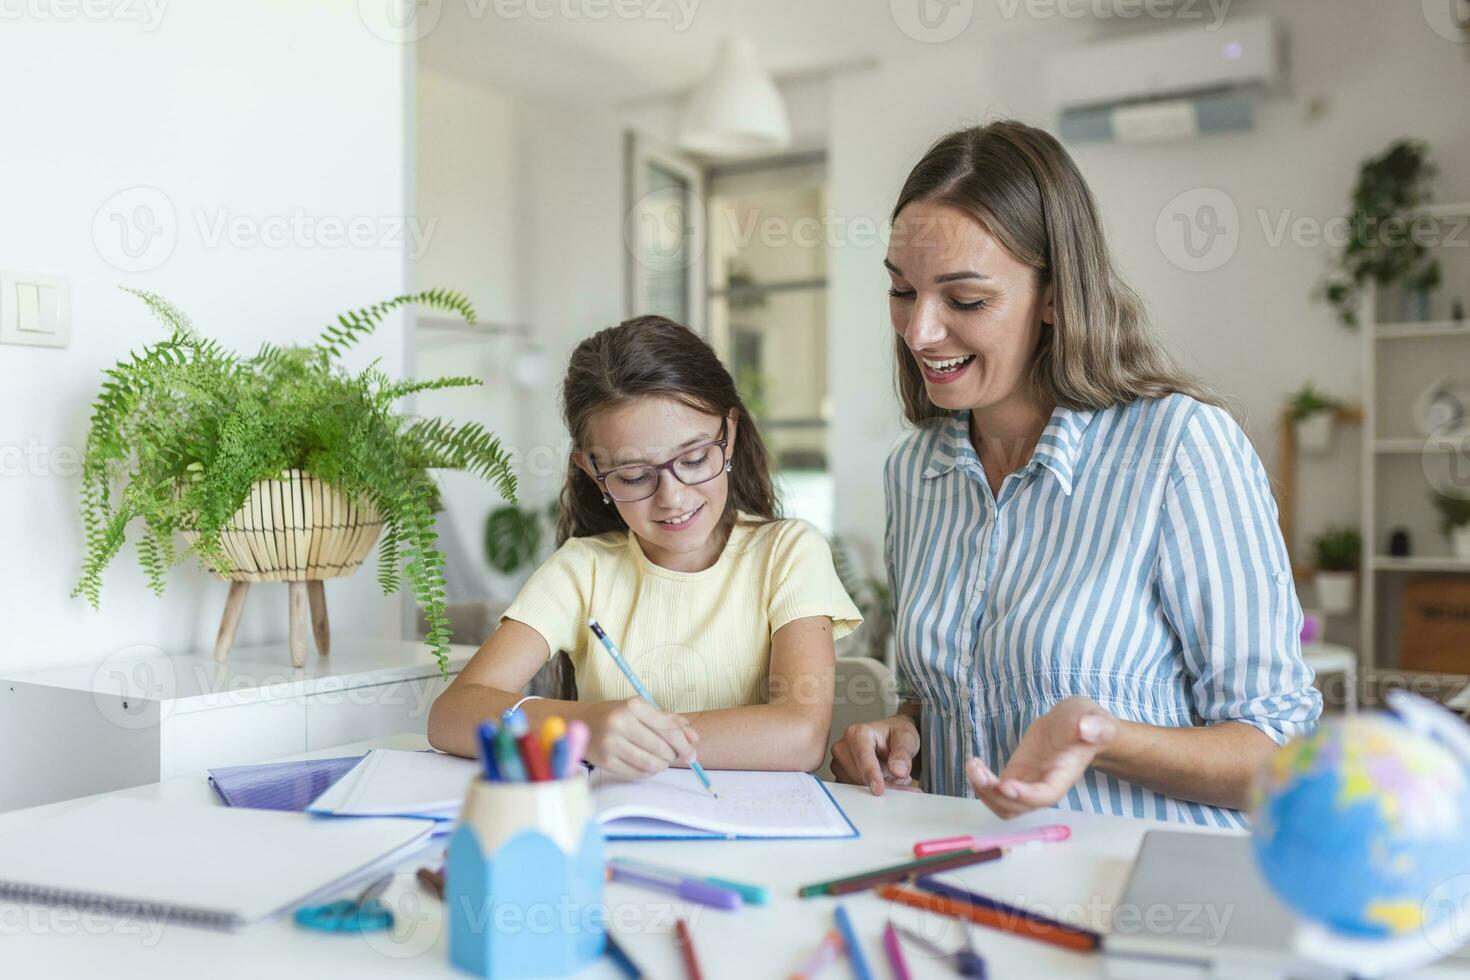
{"x":697,"y":640}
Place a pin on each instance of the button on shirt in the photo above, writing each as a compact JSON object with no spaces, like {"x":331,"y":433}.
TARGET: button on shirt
{"x":1135,"y":559}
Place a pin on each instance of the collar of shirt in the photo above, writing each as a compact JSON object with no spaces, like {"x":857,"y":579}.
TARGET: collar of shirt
{"x":1057,"y":449}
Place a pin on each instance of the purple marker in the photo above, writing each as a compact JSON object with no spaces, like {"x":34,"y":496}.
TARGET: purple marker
{"x":689,"y":889}
{"x":577,"y":734}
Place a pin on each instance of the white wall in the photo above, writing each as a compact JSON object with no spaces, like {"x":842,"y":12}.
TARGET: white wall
{"x":1249,"y":327}
{"x":273,"y":113}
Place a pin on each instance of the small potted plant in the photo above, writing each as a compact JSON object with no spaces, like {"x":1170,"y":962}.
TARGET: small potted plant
{"x":278,"y":467}
{"x":1381,"y":247}
{"x":1312,"y":414}
{"x":1454,"y":522}
{"x":1339,"y":552}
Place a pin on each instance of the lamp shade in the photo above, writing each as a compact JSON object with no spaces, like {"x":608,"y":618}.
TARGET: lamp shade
{"x":737,"y":110}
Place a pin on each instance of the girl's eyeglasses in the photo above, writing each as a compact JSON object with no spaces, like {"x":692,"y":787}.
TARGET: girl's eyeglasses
{"x":692,"y":467}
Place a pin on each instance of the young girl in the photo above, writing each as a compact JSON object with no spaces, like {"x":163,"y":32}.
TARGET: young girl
{"x":669,"y":537}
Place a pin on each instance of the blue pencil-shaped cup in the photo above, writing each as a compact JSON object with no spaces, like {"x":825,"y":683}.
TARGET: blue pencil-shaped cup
{"x":523,"y":880}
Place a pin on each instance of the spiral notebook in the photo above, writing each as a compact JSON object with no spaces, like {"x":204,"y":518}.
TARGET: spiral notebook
{"x":201,"y":865}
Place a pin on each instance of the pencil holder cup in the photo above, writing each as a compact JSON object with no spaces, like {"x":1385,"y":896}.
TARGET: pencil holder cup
{"x":523,"y":880}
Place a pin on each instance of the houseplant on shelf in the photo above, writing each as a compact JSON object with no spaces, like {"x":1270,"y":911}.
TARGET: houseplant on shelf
{"x":1339,"y":552}
{"x":1380,"y":247}
{"x":1454,"y":522}
{"x":281,"y":466}
{"x":1312,"y":414}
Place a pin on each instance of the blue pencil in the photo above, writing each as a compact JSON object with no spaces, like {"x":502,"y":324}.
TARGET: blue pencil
{"x":850,"y":940}
{"x":617,"y":656}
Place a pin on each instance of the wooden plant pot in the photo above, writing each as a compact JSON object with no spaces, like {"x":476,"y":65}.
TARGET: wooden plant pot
{"x":299,"y":530}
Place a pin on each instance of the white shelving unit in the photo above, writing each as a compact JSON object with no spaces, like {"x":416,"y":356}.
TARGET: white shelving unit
{"x":1399,"y":360}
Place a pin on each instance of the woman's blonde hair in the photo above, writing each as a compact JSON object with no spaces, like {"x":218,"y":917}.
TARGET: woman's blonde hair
{"x":1024,"y":188}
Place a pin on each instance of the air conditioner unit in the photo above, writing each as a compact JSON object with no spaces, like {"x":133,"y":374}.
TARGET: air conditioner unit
{"x":1165,"y":84}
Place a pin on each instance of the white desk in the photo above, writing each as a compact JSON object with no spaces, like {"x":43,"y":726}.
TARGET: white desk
{"x":1080,"y":878}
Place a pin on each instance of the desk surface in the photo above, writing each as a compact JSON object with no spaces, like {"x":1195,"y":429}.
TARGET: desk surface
{"x":1079,"y":879}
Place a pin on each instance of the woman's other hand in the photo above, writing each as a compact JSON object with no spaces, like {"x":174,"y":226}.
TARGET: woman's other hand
{"x":878,"y":754}
{"x":1053,"y":754}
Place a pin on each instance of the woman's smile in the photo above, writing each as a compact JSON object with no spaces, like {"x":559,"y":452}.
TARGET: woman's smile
{"x":943,"y":371}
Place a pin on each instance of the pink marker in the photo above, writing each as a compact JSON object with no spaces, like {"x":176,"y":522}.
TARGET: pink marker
{"x":576,"y":747}
{"x":943,"y":845}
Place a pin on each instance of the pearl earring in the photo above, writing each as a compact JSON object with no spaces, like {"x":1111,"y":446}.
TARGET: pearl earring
{"x":729,"y":466}
{"x":606,"y":499}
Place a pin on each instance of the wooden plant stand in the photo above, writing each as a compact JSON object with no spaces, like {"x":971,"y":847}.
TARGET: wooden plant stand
{"x":301,"y":531}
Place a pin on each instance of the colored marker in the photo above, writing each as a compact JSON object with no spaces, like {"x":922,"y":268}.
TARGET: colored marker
{"x":753,"y":894}
{"x":822,"y":957}
{"x":529,"y":745}
{"x":621,"y":959}
{"x":943,"y":845}
{"x":552,"y":729}
{"x":894,"y":950}
{"x":487,"y":750}
{"x":686,"y":950}
{"x":854,"y":950}
{"x":576,"y":741}
{"x":688,"y":889}
{"x":627,"y":670}
{"x":508,"y":757}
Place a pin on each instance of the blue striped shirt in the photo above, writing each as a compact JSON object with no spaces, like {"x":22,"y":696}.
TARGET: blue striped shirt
{"x":1135,"y":559}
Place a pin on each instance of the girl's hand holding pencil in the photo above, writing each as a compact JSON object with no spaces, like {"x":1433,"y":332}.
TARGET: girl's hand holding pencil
{"x":635,"y":739}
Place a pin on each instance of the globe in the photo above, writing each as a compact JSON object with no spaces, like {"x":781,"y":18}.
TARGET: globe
{"x":1361,"y":826}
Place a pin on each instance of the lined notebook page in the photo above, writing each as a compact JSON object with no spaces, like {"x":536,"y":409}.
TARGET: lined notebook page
{"x":751,"y":804}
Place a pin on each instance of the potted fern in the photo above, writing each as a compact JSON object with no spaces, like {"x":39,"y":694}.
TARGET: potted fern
{"x":281,"y":466}
{"x":1339,"y":552}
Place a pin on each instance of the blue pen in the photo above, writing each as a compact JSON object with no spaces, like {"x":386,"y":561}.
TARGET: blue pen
{"x":850,"y":940}
{"x":487,"y":751}
{"x":642,"y":692}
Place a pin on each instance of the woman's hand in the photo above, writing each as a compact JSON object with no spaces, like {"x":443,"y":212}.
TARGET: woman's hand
{"x":878,"y":753}
{"x":1053,"y":754}
{"x":634,"y":739}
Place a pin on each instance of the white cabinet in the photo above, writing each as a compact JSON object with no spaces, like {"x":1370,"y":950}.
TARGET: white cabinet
{"x":128,"y":720}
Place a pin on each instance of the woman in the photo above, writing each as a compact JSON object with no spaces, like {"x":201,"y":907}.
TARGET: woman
{"x":1095,"y":606}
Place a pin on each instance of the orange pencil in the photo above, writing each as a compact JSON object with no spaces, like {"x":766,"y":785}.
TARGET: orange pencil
{"x":1020,"y":925}
{"x":685,"y":940}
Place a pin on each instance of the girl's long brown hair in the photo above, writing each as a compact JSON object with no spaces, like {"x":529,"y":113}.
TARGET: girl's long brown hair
{"x":654,"y":356}
{"x":1025,"y":189}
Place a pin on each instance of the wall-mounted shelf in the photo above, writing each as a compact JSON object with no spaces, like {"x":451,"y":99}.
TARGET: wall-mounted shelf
{"x":1420,"y":331}
{"x":1417,"y":446}
{"x":1420,"y":563}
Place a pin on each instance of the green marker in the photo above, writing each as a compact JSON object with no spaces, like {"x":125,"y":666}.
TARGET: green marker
{"x":508,"y":757}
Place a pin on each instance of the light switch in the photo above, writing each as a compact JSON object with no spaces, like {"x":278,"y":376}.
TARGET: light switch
{"x":35,"y":309}
{"x":28,"y":307}
{"x":52,"y":313}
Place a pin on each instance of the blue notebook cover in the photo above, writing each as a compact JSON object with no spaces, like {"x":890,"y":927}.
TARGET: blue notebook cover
{"x":278,"y":785}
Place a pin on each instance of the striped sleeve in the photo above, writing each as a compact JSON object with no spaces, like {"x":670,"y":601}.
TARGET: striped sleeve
{"x":906,"y":689}
{"x":1225,"y":584}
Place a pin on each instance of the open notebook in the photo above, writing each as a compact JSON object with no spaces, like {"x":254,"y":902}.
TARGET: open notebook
{"x":431,"y":785}
{"x":212,"y":866}
{"x":751,"y":805}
